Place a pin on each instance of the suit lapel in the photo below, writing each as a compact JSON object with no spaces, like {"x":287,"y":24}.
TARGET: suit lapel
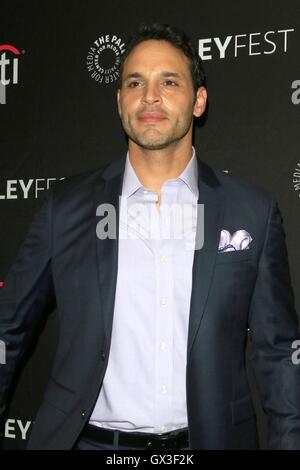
{"x":212,"y":197}
{"x":107,"y":191}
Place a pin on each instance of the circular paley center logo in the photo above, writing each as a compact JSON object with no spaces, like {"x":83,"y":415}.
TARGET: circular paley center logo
{"x":103,"y":58}
{"x":296,"y":178}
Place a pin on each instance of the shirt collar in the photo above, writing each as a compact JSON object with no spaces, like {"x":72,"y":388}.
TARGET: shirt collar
{"x":131,"y":182}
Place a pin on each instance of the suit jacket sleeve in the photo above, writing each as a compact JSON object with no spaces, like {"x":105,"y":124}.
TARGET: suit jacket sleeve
{"x":273,"y":326}
{"x":27,"y":290}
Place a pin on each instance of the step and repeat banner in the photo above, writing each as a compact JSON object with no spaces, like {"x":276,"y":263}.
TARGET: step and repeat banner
{"x":58,"y":117}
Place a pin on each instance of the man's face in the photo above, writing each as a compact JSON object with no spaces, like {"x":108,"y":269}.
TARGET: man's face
{"x":157,"y":100}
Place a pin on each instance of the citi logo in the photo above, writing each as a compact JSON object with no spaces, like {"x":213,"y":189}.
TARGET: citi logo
{"x":8,"y":68}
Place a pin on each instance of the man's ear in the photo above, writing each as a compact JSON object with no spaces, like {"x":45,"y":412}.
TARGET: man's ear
{"x":200,"y":101}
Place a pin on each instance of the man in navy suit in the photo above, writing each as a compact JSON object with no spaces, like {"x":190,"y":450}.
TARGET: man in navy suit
{"x":151,"y":350}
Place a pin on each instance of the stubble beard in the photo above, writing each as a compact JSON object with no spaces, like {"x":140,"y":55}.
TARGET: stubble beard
{"x":152,"y":139}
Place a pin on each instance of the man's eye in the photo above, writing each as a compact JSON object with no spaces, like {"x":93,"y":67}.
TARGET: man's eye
{"x":133,"y":84}
{"x":170,"y":83}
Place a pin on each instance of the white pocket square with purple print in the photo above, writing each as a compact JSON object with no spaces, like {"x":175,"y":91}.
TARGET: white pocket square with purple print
{"x":239,"y":240}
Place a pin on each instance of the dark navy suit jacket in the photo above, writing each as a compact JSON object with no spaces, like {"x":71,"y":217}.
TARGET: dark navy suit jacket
{"x":62,"y":261}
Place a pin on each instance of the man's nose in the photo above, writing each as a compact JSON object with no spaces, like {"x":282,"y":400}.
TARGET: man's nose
{"x":151,"y":94}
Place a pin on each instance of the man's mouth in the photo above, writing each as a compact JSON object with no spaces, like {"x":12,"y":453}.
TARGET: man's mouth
{"x":151,"y":118}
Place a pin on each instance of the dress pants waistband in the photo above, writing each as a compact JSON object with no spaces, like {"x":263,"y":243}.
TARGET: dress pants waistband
{"x":176,"y":439}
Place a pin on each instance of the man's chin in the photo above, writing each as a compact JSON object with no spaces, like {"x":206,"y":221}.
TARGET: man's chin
{"x":153,"y":145}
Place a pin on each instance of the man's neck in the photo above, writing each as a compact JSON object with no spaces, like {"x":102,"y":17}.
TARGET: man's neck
{"x":154,"y":167}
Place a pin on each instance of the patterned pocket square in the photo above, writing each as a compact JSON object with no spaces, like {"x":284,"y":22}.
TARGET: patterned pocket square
{"x":239,"y":240}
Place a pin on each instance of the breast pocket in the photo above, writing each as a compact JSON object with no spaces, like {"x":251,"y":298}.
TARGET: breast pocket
{"x":234,"y":256}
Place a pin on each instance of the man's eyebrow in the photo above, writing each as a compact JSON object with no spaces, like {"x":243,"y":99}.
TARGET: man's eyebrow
{"x":171,"y":74}
{"x":133,"y":75}
{"x":165,"y":74}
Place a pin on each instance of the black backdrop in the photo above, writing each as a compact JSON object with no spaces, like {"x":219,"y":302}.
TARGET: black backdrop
{"x":59,"y":117}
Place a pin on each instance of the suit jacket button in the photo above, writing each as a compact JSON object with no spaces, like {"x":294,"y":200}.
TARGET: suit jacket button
{"x":103,"y":355}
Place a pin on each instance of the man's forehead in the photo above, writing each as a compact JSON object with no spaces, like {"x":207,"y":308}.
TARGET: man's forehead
{"x":156,"y":54}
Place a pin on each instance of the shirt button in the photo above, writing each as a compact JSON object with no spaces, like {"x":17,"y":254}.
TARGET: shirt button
{"x":162,"y":428}
{"x":163,"y":345}
{"x":163,"y":389}
{"x":162,"y":259}
{"x":163,"y":302}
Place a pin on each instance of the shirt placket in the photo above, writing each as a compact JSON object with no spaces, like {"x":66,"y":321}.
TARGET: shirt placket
{"x":164,"y":319}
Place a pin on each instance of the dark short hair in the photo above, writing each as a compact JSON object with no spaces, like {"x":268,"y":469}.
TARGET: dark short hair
{"x":174,"y":36}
